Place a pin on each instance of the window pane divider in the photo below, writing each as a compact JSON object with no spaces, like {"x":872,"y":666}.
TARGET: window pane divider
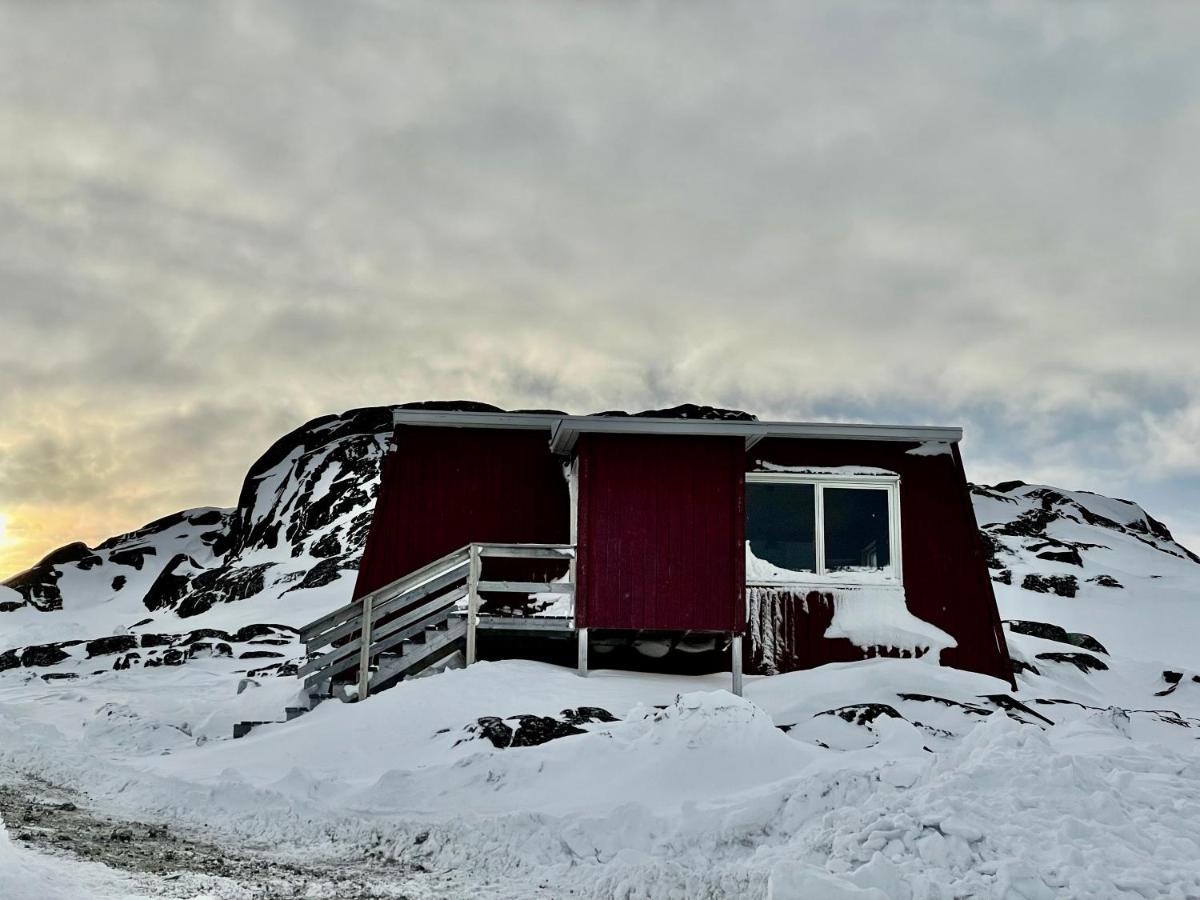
{"x":819,"y":504}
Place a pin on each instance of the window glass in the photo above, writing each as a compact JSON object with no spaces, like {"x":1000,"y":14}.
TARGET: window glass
{"x":856,"y":530}
{"x":781,"y":524}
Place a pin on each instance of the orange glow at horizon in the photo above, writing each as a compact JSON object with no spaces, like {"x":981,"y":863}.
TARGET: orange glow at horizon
{"x":29,"y":533}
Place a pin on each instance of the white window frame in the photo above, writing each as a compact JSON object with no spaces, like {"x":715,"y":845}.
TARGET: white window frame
{"x":892,"y":575}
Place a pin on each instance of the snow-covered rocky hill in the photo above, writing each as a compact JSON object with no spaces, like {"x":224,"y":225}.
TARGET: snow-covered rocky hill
{"x":212,"y":580}
{"x":123,"y":668}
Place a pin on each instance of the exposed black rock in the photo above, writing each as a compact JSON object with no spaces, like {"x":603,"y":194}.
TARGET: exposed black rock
{"x":45,"y":654}
{"x":529,"y":730}
{"x":1032,"y":523}
{"x":325,"y":546}
{"x":106,"y":646}
{"x":862,"y":713}
{"x":1062,"y":585}
{"x":1019,"y":666}
{"x":1069,"y":555}
{"x":1004,"y":576}
{"x":1106,"y":581}
{"x":155,"y":640}
{"x":1049,"y":632}
{"x":171,"y":584}
{"x":249,"y":632}
{"x":39,"y":586}
{"x":1005,"y":487}
{"x":323,"y":573}
{"x":1084,"y":662}
{"x":260,"y":654}
{"x":993,"y":548}
{"x":118,"y":582}
{"x":202,"y":634}
{"x":132,"y":556}
{"x":222,"y":586}
{"x":584,"y":715}
{"x":212,"y":517}
{"x":207,"y":648}
{"x":9,"y":660}
{"x":1015,"y":708}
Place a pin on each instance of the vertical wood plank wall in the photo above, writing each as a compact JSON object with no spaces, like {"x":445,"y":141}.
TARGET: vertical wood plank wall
{"x":446,"y":487}
{"x":661,"y":525}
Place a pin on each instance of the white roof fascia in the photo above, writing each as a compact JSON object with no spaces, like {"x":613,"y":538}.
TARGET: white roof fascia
{"x":455,"y":419}
{"x":570,"y":427}
{"x":565,"y":430}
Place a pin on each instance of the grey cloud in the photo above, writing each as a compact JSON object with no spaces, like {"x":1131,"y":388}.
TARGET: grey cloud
{"x":215,"y":218}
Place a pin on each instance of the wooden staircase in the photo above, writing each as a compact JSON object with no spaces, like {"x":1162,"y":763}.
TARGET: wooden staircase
{"x":414,"y":622}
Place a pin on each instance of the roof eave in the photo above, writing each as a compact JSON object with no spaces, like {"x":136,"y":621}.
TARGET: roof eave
{"x":565,"y":430}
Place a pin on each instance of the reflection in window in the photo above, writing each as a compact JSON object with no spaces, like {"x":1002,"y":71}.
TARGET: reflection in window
{"x":781,"y":524}
{"x":856,"y":529}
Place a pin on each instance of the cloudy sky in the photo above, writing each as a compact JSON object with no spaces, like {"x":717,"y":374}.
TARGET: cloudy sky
{"x":219,"y":220}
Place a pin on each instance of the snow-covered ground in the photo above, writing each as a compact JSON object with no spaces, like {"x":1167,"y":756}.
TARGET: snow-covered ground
{"x":884,"y":779}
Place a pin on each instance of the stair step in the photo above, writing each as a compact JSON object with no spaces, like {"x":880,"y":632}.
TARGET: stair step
{"x":419,"y":656}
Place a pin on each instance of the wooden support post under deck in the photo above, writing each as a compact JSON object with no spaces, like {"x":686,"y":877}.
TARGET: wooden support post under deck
{"x":364,"y":653}
{"x":473,"y":573}
{"x":582,"y":635}
{"x":735,"y":653}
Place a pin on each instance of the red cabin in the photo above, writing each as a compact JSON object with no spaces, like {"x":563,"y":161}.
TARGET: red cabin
{"x":680,"y":541}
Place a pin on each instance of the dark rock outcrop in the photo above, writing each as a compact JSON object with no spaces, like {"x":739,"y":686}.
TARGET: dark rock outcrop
{"x":132,"y":556}
{"x":862,"y":713}
{"x":1084,"y":662}
{"x":118,"y":643}
{"x":530,"y":730}
{"x":172,"y":583}
{"x":1048,"y":632}
{"x":1062,"y":585}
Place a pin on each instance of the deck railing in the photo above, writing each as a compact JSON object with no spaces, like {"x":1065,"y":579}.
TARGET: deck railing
{"x":423,"y":603}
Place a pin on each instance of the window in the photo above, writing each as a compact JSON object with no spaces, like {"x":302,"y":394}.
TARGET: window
{"x":813,"y":529}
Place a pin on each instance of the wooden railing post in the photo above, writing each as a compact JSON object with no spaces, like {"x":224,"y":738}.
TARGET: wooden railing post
{"x":473,"y":573}
{"x":735,"y":654}
{"x":364,"y":653}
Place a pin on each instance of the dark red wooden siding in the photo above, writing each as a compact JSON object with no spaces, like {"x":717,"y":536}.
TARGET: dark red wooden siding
{"x":661,"y":524}
{"x":946,"y":580}
{"x":446,"y":487}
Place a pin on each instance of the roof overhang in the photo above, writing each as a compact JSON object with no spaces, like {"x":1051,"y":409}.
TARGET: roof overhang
{"x":564,"y":431}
